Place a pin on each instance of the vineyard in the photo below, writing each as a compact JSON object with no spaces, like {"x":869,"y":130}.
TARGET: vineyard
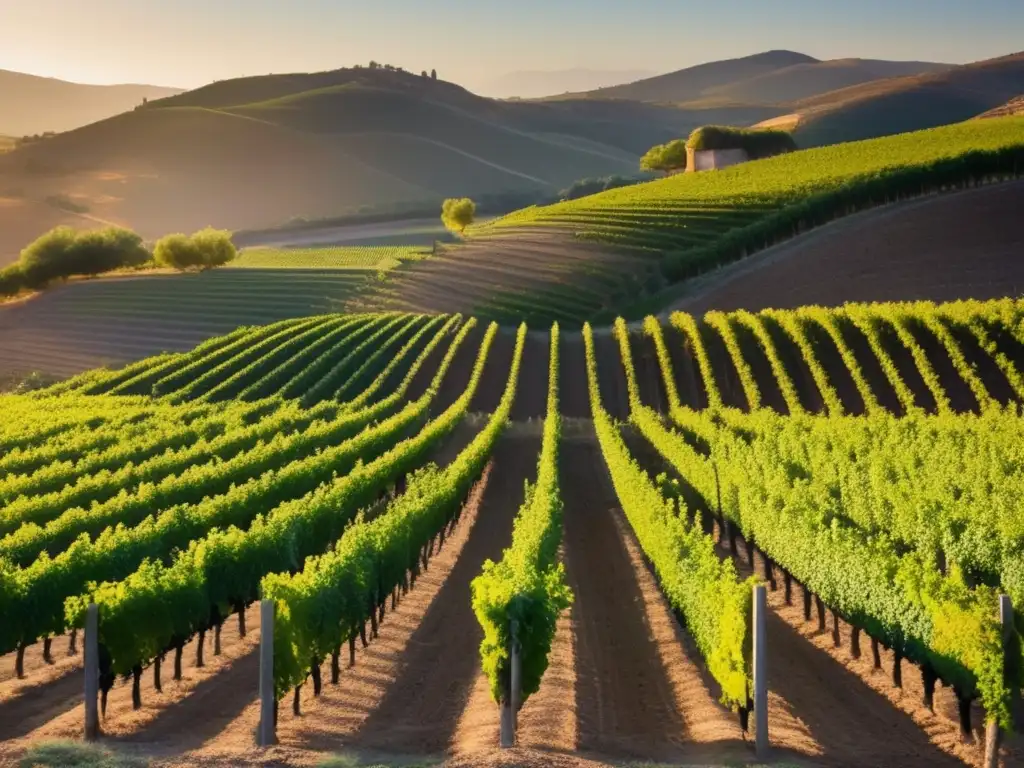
{"x":380,"y":258}
{"x":427,"y":506}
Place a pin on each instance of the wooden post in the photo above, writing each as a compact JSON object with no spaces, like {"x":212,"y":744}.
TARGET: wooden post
{"x":508,"y":706}
{"x":517,"y":677}
{"x":92,"y":672}
{"x":266,"y":734}
{"x":992,"y":734}
{"x":760,"y":672}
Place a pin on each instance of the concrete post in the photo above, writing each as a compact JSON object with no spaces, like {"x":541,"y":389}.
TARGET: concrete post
{"x":760,"y":672}
{"x":266,"y":735}
{"x":92,"y":672}
{"x":992,"y":734}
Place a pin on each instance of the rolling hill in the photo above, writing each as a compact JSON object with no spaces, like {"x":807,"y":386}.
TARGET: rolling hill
{"x":532,"y":84}
{"x":258,"y":151}
{"x":32,"y":104}
{"x":911,"y":103}
{"x":774,"y":77}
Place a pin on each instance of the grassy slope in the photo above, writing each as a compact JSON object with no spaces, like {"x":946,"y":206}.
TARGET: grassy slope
{"x":689,"y":218}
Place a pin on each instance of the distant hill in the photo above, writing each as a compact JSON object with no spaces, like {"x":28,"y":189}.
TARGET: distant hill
{"x":693,"y":83}
{"x":536,"y":84}
{"x":772,"y":78}
{"x":802,"y":81}
{"x":31,"y":104}
{"x":898,"y":105}
{"x":257,"y":151}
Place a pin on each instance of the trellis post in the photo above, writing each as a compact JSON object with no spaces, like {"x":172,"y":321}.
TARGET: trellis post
{"x":92,"y":672}
{"x":992,"y":733}
{"x":267,"y":733}
{"x":760,"y":672}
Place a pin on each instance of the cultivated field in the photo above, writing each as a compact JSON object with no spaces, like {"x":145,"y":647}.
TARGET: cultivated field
{"x":358,"y":470}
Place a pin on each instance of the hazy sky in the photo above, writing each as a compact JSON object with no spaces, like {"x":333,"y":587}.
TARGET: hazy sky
{"x":190,"y":42}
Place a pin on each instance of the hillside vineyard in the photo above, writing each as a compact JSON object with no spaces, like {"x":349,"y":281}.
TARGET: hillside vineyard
{"x":864,"y":461}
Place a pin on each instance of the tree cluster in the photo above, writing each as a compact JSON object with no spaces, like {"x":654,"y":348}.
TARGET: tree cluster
{"x":206,"y":248}
{"x":64,"y":252}
{"x":591,"y":186}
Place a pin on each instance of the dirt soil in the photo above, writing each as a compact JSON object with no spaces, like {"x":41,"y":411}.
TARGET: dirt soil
{"x":943,"y":247}
{"x":532,"y":390}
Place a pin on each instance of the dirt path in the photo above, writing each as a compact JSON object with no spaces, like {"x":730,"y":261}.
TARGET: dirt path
{"x":184,"y":714}
{"x":496,"y":372}
{"x":421,"y":710}
{"x":532,"y":390}
{"x":638,"y":693}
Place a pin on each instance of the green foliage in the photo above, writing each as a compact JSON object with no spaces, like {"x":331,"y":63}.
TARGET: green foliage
{"x":668,"y":157}
{"x":757,"y":142}
{"x":776,"y":479}
{"x":696,"y":222}
{"x":379,"y":258}
{"x":458,"y":213}
{"x":203,"y":249}
{"x":326,"y":602}
{"x":64,"y":252}
{"x":528,"y":584}
{"x":705,"y":590}
{"x":305,"y":513}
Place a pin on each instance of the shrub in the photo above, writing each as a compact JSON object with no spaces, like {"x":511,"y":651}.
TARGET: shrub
{"x":11,"y":280}
{"x":63,"y":252}
{"x":665,"y":157}
{"x":756,"y":141}
{"x":458,"y":213}
{"x":592,"y":186}
{"x":204,"y":249}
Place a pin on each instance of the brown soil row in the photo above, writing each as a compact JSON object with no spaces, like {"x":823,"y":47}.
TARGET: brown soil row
{"x":941,"y":248}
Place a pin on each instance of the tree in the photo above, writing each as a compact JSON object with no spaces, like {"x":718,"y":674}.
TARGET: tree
{"x":458,"y":213}
{"x":423,"y":74}
{"x":374,"y":65}
{"x":669,"y":157}
{"x":433,"y":74}
{"x":204,"y":249}
{"x":63,"y":252}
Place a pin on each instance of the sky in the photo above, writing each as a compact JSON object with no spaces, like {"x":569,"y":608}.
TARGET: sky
{"x":188,"y":43}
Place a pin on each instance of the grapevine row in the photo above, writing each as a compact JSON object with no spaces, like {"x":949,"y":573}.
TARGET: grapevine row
{"x":527,"y":585}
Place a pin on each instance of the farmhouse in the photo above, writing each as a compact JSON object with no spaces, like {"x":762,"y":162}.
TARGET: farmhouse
{"x":714,"y":147}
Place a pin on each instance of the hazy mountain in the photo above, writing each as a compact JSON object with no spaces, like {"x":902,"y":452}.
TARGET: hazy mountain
{"x":802,"y":81}
{"x":692,"y":83}
{"x":539,"y":83}
{"x":31,"y":104}
{"x":896,"y":105}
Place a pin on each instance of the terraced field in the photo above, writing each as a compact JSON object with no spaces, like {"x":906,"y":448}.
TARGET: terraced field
{"x":359,"y":469}
{"x":111,"y":321}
